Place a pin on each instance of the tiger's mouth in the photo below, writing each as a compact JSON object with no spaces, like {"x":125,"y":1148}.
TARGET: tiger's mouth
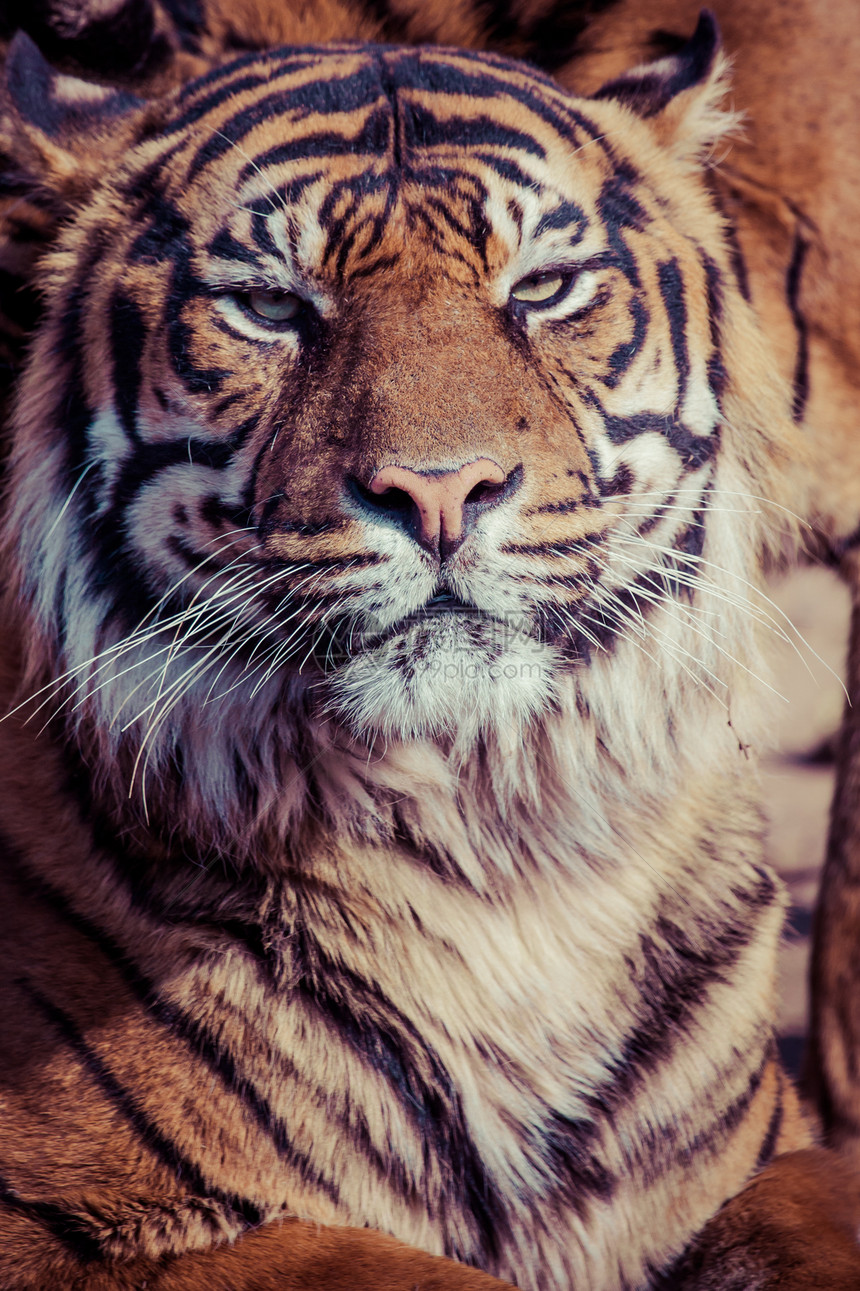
{"x":449,"y":612}
{"x":449,"y":668}
{"x":445,"y":623}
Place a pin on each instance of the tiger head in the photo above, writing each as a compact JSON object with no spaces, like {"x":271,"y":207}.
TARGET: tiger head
{"x":392,"y":389}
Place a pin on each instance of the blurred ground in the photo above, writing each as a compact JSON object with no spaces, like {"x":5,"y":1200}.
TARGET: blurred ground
{"x":798,"y":776}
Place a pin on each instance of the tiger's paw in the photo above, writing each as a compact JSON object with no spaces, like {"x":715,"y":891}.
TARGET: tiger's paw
{"x":794,"y":1227}
{"x":295,"y":1255}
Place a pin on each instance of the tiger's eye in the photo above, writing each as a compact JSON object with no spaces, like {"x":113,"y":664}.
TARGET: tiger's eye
{"x":538,"y":288}
{"x":275,"y":306}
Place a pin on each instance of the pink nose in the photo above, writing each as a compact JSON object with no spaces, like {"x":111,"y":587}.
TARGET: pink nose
{"x":441,"y":501}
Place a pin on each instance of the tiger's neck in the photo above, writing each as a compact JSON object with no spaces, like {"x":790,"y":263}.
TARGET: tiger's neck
{"x":260,"y":781}
{"x":381,"y":950}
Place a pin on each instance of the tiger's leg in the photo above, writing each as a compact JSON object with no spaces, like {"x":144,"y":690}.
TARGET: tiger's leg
{"x":294,"y":1255}
{"x":833,"y":1060}
{"x":793,"y":1227}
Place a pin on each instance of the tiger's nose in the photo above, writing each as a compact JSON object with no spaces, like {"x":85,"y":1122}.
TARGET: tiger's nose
{"x":439,"y":508}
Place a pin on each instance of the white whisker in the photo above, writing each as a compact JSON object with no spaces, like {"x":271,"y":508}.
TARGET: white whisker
{"x":64,"y":508}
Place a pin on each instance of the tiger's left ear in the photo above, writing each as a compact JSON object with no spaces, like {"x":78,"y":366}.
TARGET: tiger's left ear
{"x":680,"y":95}
{"x":58,"y":133}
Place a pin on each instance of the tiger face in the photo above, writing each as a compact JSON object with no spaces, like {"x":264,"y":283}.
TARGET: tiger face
{"x":387,"y":382}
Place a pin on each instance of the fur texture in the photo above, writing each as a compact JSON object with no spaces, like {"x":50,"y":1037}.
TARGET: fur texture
{"x":384,"y":888}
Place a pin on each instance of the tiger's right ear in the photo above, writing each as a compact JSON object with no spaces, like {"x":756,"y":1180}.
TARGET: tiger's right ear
{"x":58,"y":134}
{"x":681,"y":96}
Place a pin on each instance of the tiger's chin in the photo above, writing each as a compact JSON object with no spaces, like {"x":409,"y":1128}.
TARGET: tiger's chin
{"x":452,"y":678}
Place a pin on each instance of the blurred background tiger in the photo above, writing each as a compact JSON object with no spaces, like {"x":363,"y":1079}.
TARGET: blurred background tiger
{"x":397,"y":435}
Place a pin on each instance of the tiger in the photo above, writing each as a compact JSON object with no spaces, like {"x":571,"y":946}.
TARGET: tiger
{"x":388,"y":491}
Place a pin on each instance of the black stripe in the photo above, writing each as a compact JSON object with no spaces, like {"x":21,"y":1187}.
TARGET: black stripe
{"x":566,"y":215}
{"x":374,"y":138}
{"x":326,"y":96}
{"x":672,"y":291}
{"x":568,"y":505}
{"x":197,"y":1037}
{"x":151,"y":459}
{"x":388,"y":84}
{"x":222,"y":94}
{"x":792,"y":287}
{"x":713,"y":1136}
{"x":436,"y":858}
{"x":260,"y":228}
{"x":309,"y":528}
{"x":423,"y":130}
{"x":717,"y":375}
{"x":689,"y":544}
{"x":67,"y":1228}
{"x":575,"y":547}
{"x":226,"y":247}
{"x":657,"y":515}
{"x":623,"y":481}
{"x":438,"y":242}
{"x":253,"y":342}
{"x":567,"y":1146}
{"x":373,"y":1026}
{"x":682,"y":1273}
{"x":343,"y":230}
{"x":128,"y":337}
{"x":478,"y":230}
{"x":168,"y":228}
{"x":358,"y":560}
{"x":623,"y":355}
{"x":694,"y":450}
{"x":187,"y":1172}
{"x":184,"y":286}
{"x":736,"y":257}
{"x":714,"y":281}
{"x":435,"y":70}
{"x":620,"y":210}
{"x":356,"y":190}
{"x":206,"y":562}
{"x":132,"y":596}
{"x":674,"y":979}
{"x":288,"y":56}
{"x":605,"y":624}
{"x":505,"y":169}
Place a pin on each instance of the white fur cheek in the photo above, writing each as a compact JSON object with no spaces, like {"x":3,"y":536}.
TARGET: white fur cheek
{"x":407,"y":579}
{"x":650,"y":458}
{"x":432,"y":682}
{"x":182,"y":490}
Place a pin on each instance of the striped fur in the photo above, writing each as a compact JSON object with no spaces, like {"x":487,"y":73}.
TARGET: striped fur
{"x":380,"y":891}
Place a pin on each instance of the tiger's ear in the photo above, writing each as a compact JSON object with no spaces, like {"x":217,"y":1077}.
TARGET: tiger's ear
{"x":680,"y":95}
{"x":58,"y":134}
